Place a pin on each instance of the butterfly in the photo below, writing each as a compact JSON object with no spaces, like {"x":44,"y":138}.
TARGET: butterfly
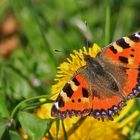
{"x":102,"y":87}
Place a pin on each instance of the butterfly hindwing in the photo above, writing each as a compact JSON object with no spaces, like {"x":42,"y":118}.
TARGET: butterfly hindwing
{"x":106,"y":108}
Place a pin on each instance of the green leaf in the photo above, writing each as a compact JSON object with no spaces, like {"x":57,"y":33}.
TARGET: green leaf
{"x":34,"y":126}
{"x":15,"y":136}
{"x":3,"y":126}
{"x":5,"y":135}
{"x":3,"y":108}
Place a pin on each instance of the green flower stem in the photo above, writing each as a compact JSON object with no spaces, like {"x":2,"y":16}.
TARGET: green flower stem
{"x":74,"y":127}
{"x":50,"y":136}
{"x":34,"y":105}
{"x":64,"y":131}
{"x":57,"y":128}
{"x":25,"y":101}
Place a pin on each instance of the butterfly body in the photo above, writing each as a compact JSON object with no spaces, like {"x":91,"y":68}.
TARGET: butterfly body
{"x":101,"y":87}
{"x":101,"y":79}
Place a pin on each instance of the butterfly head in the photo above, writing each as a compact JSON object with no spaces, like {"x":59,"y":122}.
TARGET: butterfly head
{"x":87,"y":58}
{"x":92,"y":63}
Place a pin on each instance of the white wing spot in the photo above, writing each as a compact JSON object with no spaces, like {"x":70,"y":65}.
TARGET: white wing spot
{"x":56,"y":105}
{"x":62,"y":93}
{"x":137,"y":35}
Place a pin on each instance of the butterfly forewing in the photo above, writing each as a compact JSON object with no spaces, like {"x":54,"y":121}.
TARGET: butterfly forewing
{"x":74,"y":99}
{"x":125,"y":51}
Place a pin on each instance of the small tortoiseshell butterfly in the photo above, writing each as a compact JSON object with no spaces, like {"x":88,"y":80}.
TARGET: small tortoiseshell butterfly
{"x":104,"y":84}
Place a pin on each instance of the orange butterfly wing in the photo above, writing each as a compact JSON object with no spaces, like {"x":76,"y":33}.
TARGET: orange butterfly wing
{"x":125,"y":52}
{"x":73,"y":100}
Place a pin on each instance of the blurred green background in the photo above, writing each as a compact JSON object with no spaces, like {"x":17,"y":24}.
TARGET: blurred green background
{"x":31,"y":31}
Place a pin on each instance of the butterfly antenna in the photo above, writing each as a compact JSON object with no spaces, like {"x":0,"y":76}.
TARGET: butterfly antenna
{"x":85,"y":32}
{"x":87,"y":36}
{"x":86,"y":39}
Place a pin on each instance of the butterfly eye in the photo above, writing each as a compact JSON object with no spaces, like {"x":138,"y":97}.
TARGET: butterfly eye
{"x":87,"y":57}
